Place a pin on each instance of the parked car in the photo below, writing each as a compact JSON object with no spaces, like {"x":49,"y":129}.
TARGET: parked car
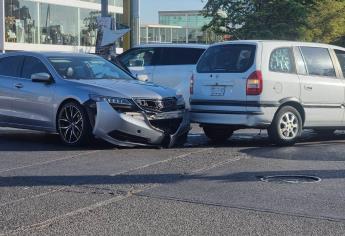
{"x":80,"y":96}
{"x":280,"y":86}
{"x":169,"y":65}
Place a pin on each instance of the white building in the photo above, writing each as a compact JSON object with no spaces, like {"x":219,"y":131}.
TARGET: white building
{"x":52,"y":25}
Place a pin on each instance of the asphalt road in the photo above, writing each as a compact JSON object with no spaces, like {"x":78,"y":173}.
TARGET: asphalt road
{"x":201,"y":189}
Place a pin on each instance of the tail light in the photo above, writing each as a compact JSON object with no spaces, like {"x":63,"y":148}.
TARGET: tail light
{"x":191,"y":85}
{"x":254,"y":83}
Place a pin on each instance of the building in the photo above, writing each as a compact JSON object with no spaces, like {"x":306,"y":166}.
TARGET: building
{"x":191,"y":23}
{"x":155,"y":33}
{"x":53,"y":25}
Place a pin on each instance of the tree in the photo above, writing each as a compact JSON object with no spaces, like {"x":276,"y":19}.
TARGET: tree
{"x":326,"y":23}
{"x":259,"y":19}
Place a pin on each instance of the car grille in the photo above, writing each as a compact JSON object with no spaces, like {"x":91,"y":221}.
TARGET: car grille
{"x":158,"y":105}
{"x":169,"y":126}
{"x":121,"y":136}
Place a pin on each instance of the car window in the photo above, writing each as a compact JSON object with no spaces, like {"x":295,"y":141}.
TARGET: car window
{"x":11,"y":66}
{"x":180,"y":56}
{"x":33,"y":65}
{"x":87,"y":68}
{"x":139,"y":57}
{"x":318,"y":61}
{"x":281,"y":60}
{"x":230,"y":58}
{"x":341,"y":58}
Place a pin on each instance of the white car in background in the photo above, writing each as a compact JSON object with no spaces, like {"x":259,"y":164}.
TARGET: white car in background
{"x":169,"y":65}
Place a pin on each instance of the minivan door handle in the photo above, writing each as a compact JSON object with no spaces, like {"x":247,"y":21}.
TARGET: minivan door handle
{"x":19,"y":85}
{"x":308,"y":87}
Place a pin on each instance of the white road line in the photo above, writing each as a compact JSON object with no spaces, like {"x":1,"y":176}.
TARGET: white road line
{"x":48,"y":162}
{"x":102,"y":203}
{"x":163,"y":161}
{"x":32,"y":197}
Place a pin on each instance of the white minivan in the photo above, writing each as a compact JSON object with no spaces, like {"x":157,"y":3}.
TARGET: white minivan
{"x":168,"y":65}
{"x":280,"y":86}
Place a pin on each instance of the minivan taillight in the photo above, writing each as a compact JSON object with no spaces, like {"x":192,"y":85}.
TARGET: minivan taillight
{"x":254,"y":83}
{"x":191,"y":85}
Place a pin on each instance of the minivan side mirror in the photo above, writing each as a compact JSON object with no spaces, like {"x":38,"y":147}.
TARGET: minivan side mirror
{"x":41,"y":78}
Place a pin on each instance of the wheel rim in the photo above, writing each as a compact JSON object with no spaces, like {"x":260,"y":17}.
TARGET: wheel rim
{"x":288,"y":126}
{"x":71,"y":124}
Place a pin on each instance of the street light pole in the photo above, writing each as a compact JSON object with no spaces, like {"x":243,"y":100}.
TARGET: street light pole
{"x":104,"y":8}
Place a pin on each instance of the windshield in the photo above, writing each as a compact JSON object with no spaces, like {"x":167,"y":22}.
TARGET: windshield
{"x":87,"y":68}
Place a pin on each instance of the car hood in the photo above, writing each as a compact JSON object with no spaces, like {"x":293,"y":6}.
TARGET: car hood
{"x":125,"y":88}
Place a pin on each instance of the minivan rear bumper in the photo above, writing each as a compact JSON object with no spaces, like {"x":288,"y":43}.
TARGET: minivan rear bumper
{"x":247,"y":116}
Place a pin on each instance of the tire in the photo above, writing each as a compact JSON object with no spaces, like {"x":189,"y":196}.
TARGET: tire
{"x":325,"y":132}
{"x":73,"y":125}
{"x":286,"y":127}
{"x":218,"y":134}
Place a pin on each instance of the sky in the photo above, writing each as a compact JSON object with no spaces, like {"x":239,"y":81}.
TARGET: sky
{"x":149,"y":8}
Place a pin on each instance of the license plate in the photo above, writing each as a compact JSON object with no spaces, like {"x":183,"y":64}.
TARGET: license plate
{"x":217,"y":90}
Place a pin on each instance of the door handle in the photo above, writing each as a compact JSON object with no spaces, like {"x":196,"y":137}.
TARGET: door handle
{"x":308,"y":87}
{"x":19,"y":85}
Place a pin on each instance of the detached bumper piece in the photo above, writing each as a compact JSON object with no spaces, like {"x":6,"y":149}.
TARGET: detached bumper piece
{"x":142,"y":127}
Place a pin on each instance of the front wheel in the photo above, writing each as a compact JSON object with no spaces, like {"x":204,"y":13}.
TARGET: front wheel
{"x":217,"y":134}
{"x":73,"y":125}
{"x":286,"y":126}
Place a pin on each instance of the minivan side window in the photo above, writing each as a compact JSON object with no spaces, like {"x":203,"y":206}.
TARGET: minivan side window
{"x":227,"y":58}
{"x":139,"y":57}
{"x":318,"y":61}
{"x":11,"y":66}
{"x":341,"y":58}
{"x":180,"y":56}
{"x":282,"y":61}
{"x":33,"y":65}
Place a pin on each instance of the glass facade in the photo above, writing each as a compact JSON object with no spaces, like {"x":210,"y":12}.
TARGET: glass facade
{"x":21,"y":21}
{"x":58,"y":25}
{"x":36,"y":22}
{"x":191,"y":23}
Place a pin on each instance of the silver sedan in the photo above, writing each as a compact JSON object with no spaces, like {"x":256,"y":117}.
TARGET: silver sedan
{"x":81,"y":96}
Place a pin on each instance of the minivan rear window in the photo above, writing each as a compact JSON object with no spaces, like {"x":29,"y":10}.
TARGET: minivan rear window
{"x":231,"y":58}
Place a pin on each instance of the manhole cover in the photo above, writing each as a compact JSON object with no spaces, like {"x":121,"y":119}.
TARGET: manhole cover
{"x":291,"y":179}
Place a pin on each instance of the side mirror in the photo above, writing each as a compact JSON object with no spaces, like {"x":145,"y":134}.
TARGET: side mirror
{"x":41,"y":78}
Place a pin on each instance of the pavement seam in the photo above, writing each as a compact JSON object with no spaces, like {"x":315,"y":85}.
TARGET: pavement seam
{"x":263,"y":210}
{"x":48,"y":162}
{"x":48,"y":222}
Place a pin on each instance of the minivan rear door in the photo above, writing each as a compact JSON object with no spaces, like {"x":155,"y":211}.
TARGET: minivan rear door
{"x":175,"y":68}
{"x":220,"y":81}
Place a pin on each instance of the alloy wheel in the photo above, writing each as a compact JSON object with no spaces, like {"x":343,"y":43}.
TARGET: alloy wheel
{"x":288,"y":126}
{"x":71,"y":124}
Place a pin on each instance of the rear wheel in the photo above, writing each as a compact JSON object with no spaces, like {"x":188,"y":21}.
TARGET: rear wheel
{"x":286,"y":126}
{"x":73,"y":125}
{"x":217,"y":134}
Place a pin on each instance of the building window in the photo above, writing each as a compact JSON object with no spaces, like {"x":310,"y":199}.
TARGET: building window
{"x":88,"y":27}
{"x":59,"y":25}
{"x":21,"y":24}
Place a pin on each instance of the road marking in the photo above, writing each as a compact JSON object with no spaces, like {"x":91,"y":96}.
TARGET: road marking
{"x":163,"y":161}
{"x":102,"y":203}
{"x":48,"y":162}
{"x":31,"y":197}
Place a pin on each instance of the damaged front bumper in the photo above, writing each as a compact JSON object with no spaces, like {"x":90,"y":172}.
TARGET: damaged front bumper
{"x":131,"y":129}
